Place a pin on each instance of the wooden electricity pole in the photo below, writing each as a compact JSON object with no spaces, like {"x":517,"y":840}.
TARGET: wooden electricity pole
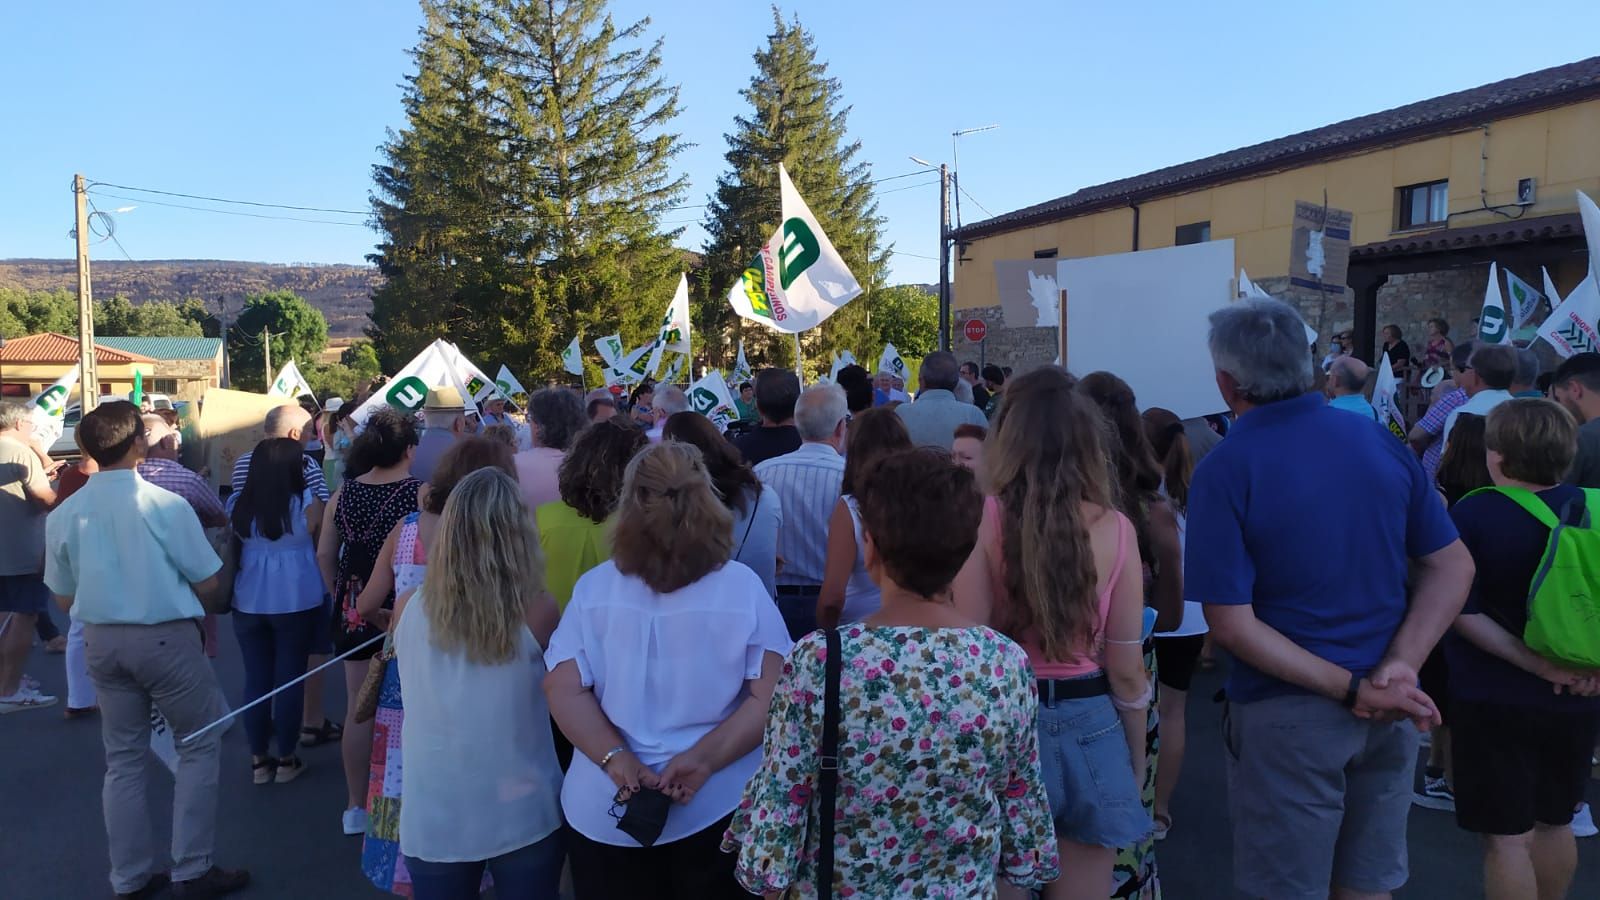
{"x":266,"y":351}
{"x":88,"y":381}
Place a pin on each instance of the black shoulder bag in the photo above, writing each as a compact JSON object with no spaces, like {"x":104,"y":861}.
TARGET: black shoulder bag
{"x":828,"y":766}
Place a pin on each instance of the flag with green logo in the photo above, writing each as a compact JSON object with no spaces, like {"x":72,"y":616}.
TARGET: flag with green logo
{"x":49,"y":408}
{"x":408,"y":389}
{"x":610,"y":348}
{"x":572,"y":358}
{"x":290,"y":383}
{"x":675,"y":369}
{"x":891,"y":362}
{"x":1524,"y":300}
{"x":508,"y":384}
{"x":1493,"y":327}
{"x":1386,"y":400}
{"x":741,"y":368}
{"x":476,"y":384}
{"x":673,"y":335}
{"x":711,"y":398}
{"x":798,"y":279}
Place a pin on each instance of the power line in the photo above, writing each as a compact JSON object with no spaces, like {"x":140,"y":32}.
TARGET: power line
{"x":913,"y":255}
{"x":975,"y":201}
{"x":124,"y":187}
{"x":111,"y":229}
{"x":909,"y":187}
{"x":233,"y":212}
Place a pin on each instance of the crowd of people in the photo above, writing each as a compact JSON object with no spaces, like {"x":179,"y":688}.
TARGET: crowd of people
{"x":872,"y":645}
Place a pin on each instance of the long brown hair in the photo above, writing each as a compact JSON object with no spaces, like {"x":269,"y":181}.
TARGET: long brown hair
{"x":1464,"y":466}
{"x":1138,"y":472}
{"x":1046,"y":460}
{"x":1171,"y":444}
{"x":735,"y":481}
{"x":671,"y":529}
{"x":874,"y":435}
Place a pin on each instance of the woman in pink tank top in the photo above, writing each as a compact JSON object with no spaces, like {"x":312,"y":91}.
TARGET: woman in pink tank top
{"x":1057,"y":569}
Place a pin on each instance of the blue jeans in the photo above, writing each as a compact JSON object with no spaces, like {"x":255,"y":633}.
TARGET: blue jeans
{"x":531,"y":873}
{"x":274,"y":649}
{"x":1087,"y":774}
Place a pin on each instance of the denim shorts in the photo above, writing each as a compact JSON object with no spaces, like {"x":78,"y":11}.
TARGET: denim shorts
{"x":1088,"y":776}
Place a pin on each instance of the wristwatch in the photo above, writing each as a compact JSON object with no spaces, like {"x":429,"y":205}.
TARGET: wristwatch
{"x":1350,"y":694}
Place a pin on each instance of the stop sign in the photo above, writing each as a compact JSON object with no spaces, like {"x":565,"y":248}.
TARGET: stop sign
{"x":975,"y":330}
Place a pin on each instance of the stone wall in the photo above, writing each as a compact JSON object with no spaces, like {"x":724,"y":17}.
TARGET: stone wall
{"x":1020,"y":348}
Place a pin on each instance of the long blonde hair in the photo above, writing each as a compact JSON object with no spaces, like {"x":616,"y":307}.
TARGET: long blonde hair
{"x":1046,"y":459}
{"x":484,"y":569}
{"x":671,"y":529}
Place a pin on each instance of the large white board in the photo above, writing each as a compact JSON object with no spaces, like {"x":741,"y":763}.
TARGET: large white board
{"x":1143,"y":316}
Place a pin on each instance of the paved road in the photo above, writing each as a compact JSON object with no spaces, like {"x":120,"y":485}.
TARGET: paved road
{"x":52,"y":841}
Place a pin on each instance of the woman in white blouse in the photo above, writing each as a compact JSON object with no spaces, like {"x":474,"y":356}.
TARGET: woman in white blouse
{"x":482,"y":783}
{"x":660,"y":674}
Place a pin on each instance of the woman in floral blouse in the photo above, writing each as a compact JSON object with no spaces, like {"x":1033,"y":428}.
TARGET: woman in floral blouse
{"x":939,"y":791}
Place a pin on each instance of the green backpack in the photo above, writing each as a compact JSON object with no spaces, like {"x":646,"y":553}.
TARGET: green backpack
{"x":1564,"y":599}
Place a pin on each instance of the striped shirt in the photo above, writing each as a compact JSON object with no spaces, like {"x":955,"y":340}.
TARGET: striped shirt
{"x":171,"y":475}
{"x":1433,"y":423}
{"x":315,"y":482}
{"x":807,"y":484}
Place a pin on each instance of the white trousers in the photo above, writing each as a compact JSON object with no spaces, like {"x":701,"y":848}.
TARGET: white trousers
{"x":80,"y":690}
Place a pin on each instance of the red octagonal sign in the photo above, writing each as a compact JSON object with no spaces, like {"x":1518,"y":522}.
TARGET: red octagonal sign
{"x":975,"y":330}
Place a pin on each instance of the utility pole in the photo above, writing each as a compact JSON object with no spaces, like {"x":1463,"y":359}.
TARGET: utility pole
{"x":944,"y":257}
{"x":266,"y":352}
{"x":222,"y":304}
{"x":88,"y":381}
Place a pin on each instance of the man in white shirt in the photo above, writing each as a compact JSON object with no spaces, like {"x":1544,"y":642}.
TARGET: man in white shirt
{"x":130,"y":561}
{"x":670,"y":400}
{"x":807,"y":483}
{"x":1487,"y":380}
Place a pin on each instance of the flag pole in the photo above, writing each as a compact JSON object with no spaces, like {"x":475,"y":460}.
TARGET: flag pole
{"x":268,"y":696}
{"x":797,"y":370}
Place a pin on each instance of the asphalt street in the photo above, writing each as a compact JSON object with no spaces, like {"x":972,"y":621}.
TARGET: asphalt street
{"x":52,"y":838}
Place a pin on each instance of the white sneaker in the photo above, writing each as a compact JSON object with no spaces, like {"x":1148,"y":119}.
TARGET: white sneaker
{"x":355,"y":820}
{"x":1583,"y":822}
{"x":25,"y":698}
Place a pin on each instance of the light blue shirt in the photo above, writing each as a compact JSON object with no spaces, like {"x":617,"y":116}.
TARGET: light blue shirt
{"x":933,"y":418}
{"x":127,"y":552}
{"x":807,"y":484}
{"x":755,"y":536}
{"x":1355,"y":403}
{"x":281,"y":576}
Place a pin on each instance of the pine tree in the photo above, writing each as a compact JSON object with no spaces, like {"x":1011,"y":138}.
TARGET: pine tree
{"x":526,"y":193}
{"x":796,"y":117}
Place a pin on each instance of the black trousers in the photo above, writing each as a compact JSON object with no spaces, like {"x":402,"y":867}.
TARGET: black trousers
{"x":694,"y":868}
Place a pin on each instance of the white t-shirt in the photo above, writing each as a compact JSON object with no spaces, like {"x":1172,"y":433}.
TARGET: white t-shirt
{"x":1194,"y":612}
{"x":666,"y":669}
{"x":755,"y":536}
{"x":1478,"y":404}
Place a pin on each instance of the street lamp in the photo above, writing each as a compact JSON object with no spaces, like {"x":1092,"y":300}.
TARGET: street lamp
{"x":944,"y":245}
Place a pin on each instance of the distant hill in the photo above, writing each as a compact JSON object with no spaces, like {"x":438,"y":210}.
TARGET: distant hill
{"x":342,"y":292}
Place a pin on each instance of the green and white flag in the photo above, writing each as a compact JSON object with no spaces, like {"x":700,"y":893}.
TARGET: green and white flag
{"x":673,"y":335}
{"x":675,"y":369}
{"x":1574,"y":326}
{"x":1493,"y":326}
{"x":408,"y":389}
{"x":891,"y":362}
{"x":479,"y":387}
{"x":508,"y":384}
{"x":630,"y":369}
{"x":711,"y":398}
{"x":741,"y":368}
{"x":290,"y":383}
{"x":798,"y":279}
{"x":572,"y":358}
{"x":1386,"y":400}
{"x":49,"y":408}
{"x":610,"y":348}
{"x":1524,"y":300}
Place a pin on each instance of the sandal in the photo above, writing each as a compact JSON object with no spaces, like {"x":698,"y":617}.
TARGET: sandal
{"x":329,"y":732}
{"x":1163,"y":825}
{"x":264,"y":771}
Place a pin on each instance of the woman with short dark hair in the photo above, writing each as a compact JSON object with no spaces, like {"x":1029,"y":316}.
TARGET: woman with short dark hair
{"x":555,"y":418}
{"x":660,"y":674}
{"x":575,"y":531}
{"x":1523,"y":724}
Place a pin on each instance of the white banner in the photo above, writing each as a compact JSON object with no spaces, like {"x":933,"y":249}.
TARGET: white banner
{"x":673,"y":335}
{"x":1493,"y":326}
{"x":711,"y":398}
{"x":610,"y":348}
{"x":1572,"y":328}
{"x":50,"y":407}
{"x":741,"y":368}
{"x":833,"y":370}
{"x":675,"y":369}
{"x":408,"y":389}
{"x":478,"y":386}
{"x":290,"y":383}
{"x":572,"y":358}
{"x":1386,"y":400}
{"x":508,"y":383}
{"x":1524,"y":300}
{"x":891,"y":362}
{"x":798,"y":279}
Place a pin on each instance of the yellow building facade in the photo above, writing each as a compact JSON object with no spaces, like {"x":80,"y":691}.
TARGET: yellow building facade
{"x":1460,"y":161}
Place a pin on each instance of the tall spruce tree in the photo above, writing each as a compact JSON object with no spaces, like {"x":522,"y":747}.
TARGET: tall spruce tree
{"x":796,"y":117}
{"x":522,"y":204}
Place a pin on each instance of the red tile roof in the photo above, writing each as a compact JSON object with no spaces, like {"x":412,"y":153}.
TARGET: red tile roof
{"x":1545,"y":89}
{"x":58,"y":349}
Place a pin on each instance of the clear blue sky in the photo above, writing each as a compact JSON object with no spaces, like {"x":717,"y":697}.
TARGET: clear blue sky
{"x":287,"y":102}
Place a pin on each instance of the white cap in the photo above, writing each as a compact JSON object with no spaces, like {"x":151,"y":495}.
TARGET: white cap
{"x":334,"y":404}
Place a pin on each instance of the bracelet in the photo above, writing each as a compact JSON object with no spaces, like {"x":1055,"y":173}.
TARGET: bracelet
{"x":1138,"y":703}
{"x":611,"y":754}
{"x":1352,"y":692}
